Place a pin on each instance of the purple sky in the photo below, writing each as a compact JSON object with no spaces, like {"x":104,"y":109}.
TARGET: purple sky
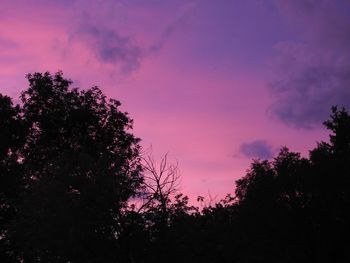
{"x":214,"y":83}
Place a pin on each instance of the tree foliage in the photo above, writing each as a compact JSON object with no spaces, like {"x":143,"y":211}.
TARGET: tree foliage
{"x":79,"y":166}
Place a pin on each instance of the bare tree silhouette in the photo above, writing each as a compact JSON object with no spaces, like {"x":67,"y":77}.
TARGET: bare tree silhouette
{"x":161,"y":181}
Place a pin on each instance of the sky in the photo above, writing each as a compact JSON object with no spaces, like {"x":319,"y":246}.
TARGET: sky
{"x":213,"y":83}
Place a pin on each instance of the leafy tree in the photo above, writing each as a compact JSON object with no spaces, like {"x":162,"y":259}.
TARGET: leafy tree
{"x":12,"y":131}
{"x":294,"y":209}
{"x":330,"y":191}
{"x":80,"y":165}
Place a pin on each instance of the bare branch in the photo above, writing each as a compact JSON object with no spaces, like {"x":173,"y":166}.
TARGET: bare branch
{"x":161,"y":181}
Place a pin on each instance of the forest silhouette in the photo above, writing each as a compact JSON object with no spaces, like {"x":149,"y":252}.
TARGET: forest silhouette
{"x":70,"y":167}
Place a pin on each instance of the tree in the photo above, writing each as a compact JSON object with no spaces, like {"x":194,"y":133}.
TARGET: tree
{"x":161,"y":183}
{"x":167,"y":213}
{"x":12,"y":130}
{"x":330,"y":190}
{"x":80,"y":165}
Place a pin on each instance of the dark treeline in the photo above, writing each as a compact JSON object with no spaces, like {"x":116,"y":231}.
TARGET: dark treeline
{"x":74,"y":187}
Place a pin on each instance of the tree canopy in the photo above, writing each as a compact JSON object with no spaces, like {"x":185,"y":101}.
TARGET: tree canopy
{"x":77,"y":163}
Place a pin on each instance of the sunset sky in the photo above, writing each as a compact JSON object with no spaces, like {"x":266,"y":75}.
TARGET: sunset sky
{"x":215,"y":83}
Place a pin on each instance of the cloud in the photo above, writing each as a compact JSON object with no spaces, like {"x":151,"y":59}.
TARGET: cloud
{"x":256,"y":149}
{"x":107,"y":29}
{"x":313,"y":74}
{"x":111,"y":47}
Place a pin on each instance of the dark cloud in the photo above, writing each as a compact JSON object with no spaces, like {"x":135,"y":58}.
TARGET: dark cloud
{"x":257,"y":149}
{"x":110,"y":47}
{"x":313,"y":74}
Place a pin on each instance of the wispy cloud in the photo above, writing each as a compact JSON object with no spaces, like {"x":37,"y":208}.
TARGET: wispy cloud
{"x":178,"y":23}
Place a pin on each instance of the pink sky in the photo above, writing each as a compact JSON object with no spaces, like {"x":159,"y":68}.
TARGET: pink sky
{"x":214,"y":83}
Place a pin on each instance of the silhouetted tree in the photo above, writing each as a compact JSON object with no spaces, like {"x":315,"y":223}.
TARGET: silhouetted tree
{"x":80,"y":165}
{"x":159,"y":203}
{"x":12,"y":130}
{"x":330,"y":191}
{"x":161,"y":182}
